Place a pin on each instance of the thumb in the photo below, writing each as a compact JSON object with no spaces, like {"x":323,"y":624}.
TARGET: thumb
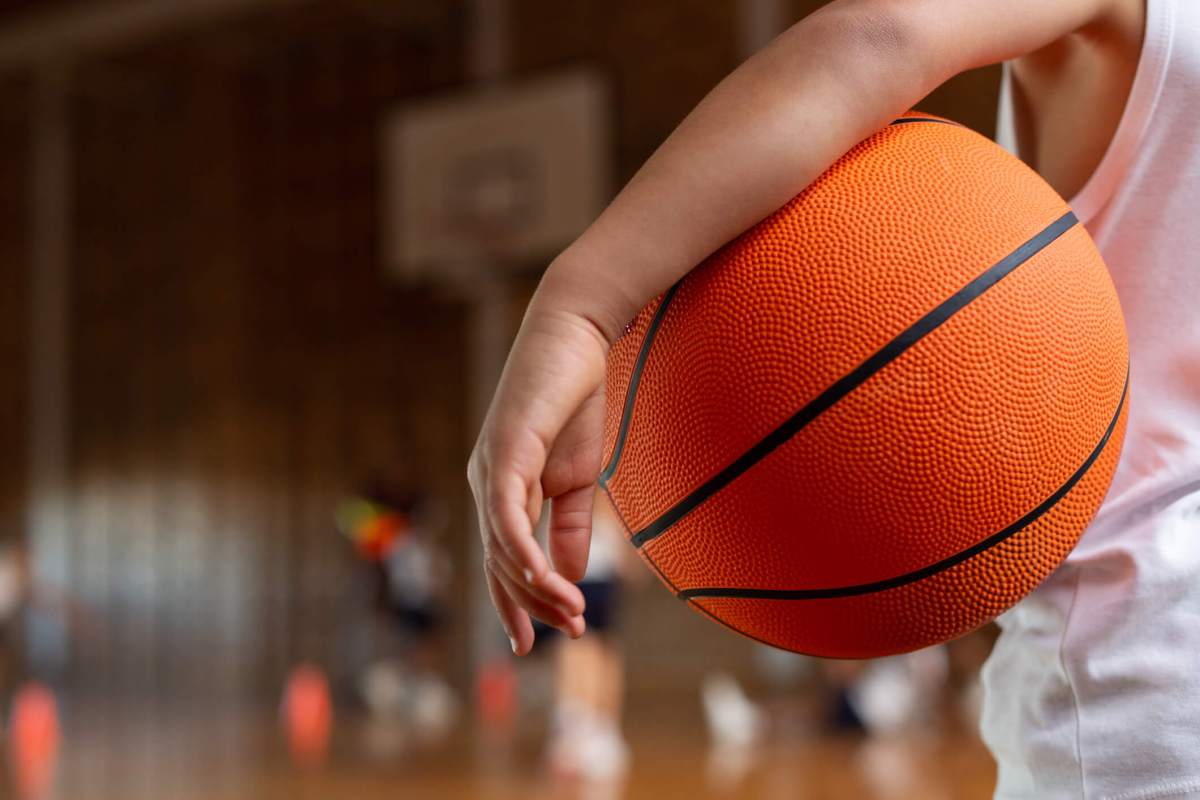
{"x":570,"y":482}
{"x":571,"y":531}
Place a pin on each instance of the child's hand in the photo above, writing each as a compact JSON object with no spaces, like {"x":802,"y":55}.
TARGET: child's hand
{"x":542,"y":439}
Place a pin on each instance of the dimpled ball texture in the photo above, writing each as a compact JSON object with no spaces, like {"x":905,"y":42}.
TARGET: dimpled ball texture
{"x":881,"y":416}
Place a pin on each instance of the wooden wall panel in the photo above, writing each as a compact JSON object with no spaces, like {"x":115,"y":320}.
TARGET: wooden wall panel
{"x":15,"y":106}
{"x":661,"y":57}
{"x":240,"y":360}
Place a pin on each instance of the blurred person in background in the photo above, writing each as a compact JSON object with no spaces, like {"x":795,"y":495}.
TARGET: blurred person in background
{"x":927,"y":690}
{"x":22,"y":593}
{"x":585,"y":738}
{"x":392,"y":531}
{"x":15,"y":590}
{"x":937,"y":687}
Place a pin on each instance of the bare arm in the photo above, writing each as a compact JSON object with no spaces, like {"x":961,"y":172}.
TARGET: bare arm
{"x":780,"y":120}
{"x":758,"y":139}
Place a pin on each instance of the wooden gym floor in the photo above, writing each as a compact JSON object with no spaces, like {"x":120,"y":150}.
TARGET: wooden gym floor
{"x":149,"y":754}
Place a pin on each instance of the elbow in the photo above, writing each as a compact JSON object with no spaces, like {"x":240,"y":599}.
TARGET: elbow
{"x":883,"y":47}
{"x":876,"y":26}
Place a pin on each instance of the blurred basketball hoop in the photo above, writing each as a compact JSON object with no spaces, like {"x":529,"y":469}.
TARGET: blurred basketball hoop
{"x":498,"y":177}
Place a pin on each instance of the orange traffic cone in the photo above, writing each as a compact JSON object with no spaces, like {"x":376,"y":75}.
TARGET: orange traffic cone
{"x":496,"y":694}
{"x":33,"y":740}
{"x":307,"y":715}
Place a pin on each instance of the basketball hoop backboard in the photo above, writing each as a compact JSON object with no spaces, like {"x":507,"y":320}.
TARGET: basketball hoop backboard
{"x":494,"y":177}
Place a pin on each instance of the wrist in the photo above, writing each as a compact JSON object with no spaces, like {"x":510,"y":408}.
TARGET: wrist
{"x":582,"y":287}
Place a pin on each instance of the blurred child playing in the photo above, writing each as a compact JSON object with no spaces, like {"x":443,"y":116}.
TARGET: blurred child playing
{"x":585,"y":738}
{"x":1093,"y":689}
{"x":393,"y":531}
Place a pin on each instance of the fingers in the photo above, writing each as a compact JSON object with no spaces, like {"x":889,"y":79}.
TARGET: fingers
{"x":512,"y":616}
{"x":570,"y":480}
{"x":553,"y":600}
{"x":571,"y":531}
{"x":512,"y":527}
{"x":524,"y":562}
{"x":516,"y":591}
{"x":565,"y":621}
{"x":514,"y":604}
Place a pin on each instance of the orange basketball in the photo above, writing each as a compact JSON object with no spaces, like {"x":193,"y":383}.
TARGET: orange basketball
{"x":884,"y":414}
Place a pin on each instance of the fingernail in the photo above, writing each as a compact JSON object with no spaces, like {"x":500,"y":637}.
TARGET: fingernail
{"x":512,"y":643}
{"x":528,"y":575}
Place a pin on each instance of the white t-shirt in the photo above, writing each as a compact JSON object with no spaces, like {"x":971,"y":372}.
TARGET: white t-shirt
{"x":1093,"y":689}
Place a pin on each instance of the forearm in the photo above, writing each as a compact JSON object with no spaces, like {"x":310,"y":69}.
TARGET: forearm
{"x":774,"y":125}
{"x":759,"y":138}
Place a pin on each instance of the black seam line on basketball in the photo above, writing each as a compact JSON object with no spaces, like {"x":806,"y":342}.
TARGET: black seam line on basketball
{"x":906,"y":120}
{"x":925,"y":572}
{"x":634,"y":380}
{"x":643,"y":354}
{"x":855,"y":378}
{"x":649,"y":559}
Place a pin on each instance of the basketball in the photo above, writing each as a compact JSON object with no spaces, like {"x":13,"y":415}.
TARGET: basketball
{"x":884,"y":414}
